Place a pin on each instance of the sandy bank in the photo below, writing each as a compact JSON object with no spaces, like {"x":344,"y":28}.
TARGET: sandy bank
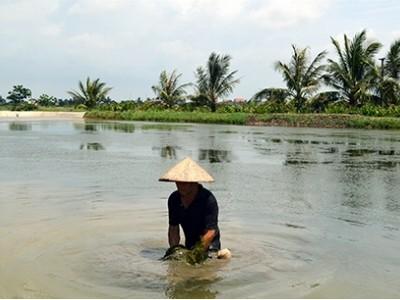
{"x":41,"y":115}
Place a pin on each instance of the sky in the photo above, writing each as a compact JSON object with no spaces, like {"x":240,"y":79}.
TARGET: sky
{"x":50,"y":45}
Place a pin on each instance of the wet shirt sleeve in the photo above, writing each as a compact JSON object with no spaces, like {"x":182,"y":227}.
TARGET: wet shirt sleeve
{"x":173,"y":214}
{"x":211,"y":217}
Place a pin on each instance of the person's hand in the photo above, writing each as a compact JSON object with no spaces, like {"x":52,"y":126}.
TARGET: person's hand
{"x":174,"y":252}
{"x":197,"y":254}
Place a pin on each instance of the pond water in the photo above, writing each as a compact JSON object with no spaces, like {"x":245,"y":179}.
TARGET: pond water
{"x":305,"y":212}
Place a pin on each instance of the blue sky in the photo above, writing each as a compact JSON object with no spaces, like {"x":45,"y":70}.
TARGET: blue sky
{"x":49,"y":45}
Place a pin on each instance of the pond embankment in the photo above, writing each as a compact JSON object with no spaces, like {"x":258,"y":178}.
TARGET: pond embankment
{"x":282,"y":120}
{"x":41,"y":115}
{"x":278,"y":119}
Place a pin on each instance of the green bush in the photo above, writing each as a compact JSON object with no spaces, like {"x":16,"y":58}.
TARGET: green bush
{"x":81,"y":107}
{"x":229,"y":108}
{"x":25,"y":106}
{"x":337,"y":108}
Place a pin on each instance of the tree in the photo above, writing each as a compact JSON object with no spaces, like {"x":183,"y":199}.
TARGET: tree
{"x":168,"y":90}
{"x":18,"y":94}
{"x":387,"y":91}
{"x":271,"y":94}
{"x":2,"y":100}
{"x":214,"y":81}
{"x":392,"y":61}
{"x":388,"y":83}
{"x":46,"y":100}
{"x":354,"y":75}
{"x":92,"y":93}
{"x":301,"y":77}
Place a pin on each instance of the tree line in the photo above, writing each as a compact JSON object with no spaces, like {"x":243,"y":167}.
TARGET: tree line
{"x":355,"y":79}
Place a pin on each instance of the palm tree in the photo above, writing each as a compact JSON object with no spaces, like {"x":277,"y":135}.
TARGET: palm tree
{"x":302,"y":78}
{"x":387,"y":91}
{"x":92,"y":93}
{"x":354,"y":75}
{"x":271,"y":94}
{"x":392,"y":61}
{"x":215,"y":81}
{"x":168,"y":89}
{"x":388,"y":83}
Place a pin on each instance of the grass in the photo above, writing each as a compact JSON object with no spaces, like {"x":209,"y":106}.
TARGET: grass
{"x":287,"y":120}
{"x":60,"y":109}
{"x":328,"y":121}
{"x":168,"y":116}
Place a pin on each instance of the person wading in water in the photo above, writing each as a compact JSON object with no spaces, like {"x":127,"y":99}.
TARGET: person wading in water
{"x":195,"y":209}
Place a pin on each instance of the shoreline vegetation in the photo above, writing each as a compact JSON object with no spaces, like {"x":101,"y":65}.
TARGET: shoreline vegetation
{"x":351,"y":90}
{"x":311,"y":120}
{"x":273,"y":119}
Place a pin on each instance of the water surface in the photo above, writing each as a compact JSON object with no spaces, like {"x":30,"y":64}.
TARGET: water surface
{"x":306,"y":212}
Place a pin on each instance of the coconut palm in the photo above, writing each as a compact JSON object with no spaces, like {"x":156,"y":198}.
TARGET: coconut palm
{"x":92,"y":93}
{"x":388,"y":83}
{"x":215,"y":80}
{"x":271,"y":94}
{"x":168,"y":90}
{"x":387,"y":91}
{"x":392,"y":61}
{"x":355,"y":73}
{"x":302,"y":78}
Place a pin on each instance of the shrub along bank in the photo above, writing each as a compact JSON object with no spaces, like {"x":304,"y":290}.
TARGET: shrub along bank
{"x":239,"y":118}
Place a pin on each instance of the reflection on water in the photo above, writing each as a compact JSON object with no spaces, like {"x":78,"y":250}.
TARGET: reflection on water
{"x":185,"y":281}
{"x":117,"y":126}
{"x":388,"y":152}
{"x":359,"y":152}
{"x":191,"y":289}
{"x":297,"y":141}
{"x":92,"y":146}
{"x":352,"y":222}
{"x":166,"y":127}
{"x":91,"y":126}
{"x":214,"y":155}
{"x":86,"y":127}
{"x":19,"y":126}
{"x":167,"y":151}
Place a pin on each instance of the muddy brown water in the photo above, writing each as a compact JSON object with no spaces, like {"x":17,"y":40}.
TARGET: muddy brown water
{"x":306,"y":212}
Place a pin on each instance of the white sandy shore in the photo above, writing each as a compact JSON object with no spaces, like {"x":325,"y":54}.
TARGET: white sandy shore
{"x":25,"y":115}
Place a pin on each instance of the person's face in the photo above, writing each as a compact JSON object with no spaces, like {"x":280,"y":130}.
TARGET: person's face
{"x":186,"y":188}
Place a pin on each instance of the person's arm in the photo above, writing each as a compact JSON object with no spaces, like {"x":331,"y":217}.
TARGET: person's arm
{"x":207,"y":238}
{"x":173,"y":235}
{"x":211,"y":221}
{"x":173,"y":228}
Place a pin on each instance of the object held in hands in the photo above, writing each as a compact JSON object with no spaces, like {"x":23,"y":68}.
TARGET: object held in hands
{"x":194,"y":256}
{"x":177,"y":252}
{"x":197,"y":254}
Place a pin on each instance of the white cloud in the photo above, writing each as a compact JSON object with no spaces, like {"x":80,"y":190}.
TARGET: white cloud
{"x":26,"y":10}
{"x":93,"y":7}
{"x":268,"y":13}
{"x":91,"y":41}
{"x":51,"y":30}
{"x":285,"y":13}
{"x":221,"y":9}
{"x":395,"y":34}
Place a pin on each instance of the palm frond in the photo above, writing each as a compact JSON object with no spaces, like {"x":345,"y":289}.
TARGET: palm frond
{"x":215,"y":80}
{"x":91,"y":93}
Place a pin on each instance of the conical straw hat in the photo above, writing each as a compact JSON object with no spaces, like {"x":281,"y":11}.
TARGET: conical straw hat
{"x":187,"y":171}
